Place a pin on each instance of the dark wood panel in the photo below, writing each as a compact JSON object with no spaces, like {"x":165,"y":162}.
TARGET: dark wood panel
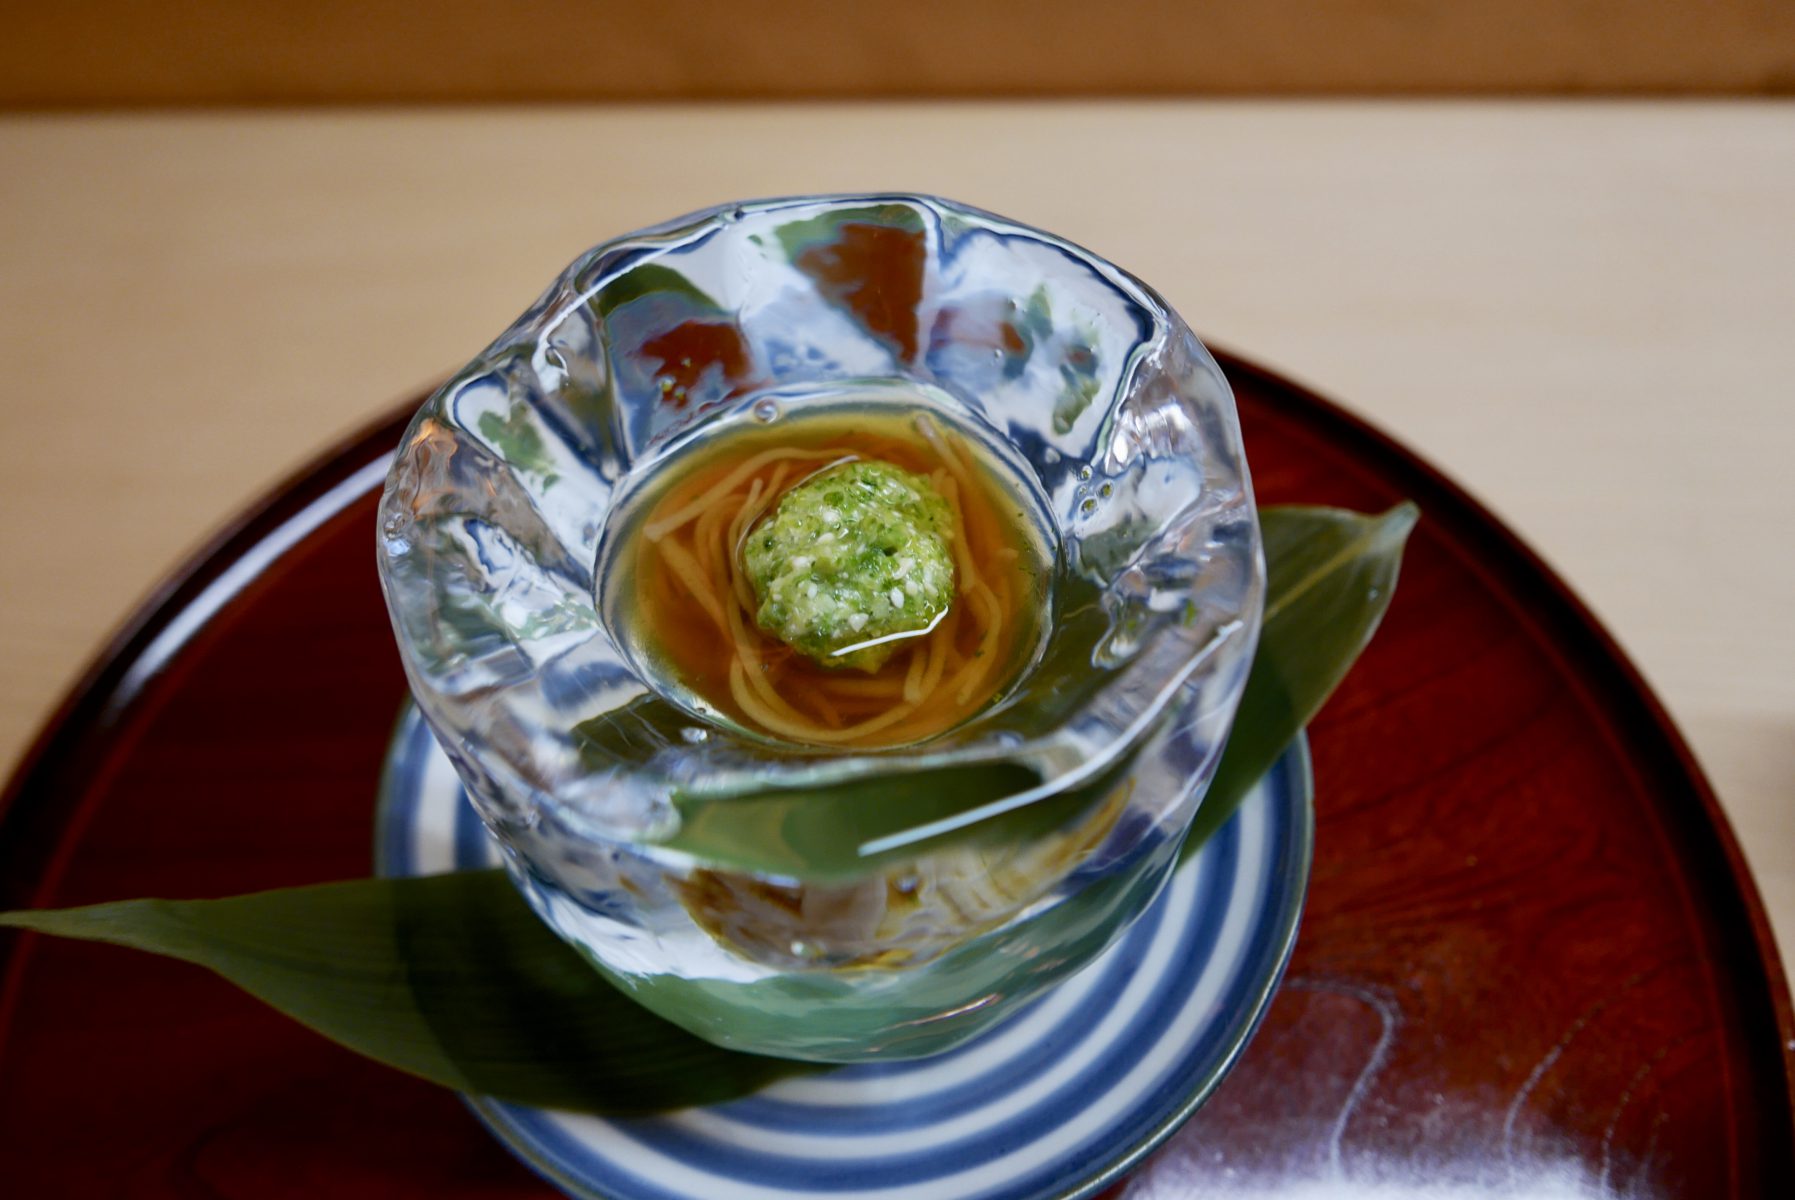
{"x":107,"y":52}
{"x":1529,"y":950}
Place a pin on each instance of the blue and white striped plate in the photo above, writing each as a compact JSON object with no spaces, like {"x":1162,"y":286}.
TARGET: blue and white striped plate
{"x":1056,"y":1103}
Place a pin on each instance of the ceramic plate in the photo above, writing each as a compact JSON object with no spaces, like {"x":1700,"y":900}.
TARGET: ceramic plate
{"x":1056,"y":1103}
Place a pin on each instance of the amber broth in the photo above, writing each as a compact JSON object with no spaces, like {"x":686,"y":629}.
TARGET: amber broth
{"x":694,"y":607}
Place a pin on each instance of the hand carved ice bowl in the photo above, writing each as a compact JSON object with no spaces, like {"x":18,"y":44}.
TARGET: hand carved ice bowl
{"x":493,"y":556}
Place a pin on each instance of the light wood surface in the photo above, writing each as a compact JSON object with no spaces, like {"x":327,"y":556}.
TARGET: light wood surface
{"x":1582,"y":312}
{"x":121,"y":52}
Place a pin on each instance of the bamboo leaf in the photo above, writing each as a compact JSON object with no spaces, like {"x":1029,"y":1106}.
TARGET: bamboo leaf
{"x":452,"y":978}
{"x":448,"y":977}
{"x":1330,"y":574}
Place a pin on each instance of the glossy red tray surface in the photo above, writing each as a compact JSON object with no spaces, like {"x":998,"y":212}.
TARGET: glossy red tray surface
{"x":1531,"y":953}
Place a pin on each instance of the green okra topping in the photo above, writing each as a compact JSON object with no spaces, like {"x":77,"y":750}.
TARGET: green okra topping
{"x":854,"y":554}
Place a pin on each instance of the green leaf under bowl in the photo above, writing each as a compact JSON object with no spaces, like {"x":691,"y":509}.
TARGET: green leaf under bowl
{"x":452,"y":978}
{"x":447,"y":977}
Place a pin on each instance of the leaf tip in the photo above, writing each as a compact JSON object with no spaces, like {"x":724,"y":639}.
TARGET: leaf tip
{"x":1401,"y":518}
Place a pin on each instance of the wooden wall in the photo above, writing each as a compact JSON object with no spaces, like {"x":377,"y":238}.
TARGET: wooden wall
{"x":82,"y":53}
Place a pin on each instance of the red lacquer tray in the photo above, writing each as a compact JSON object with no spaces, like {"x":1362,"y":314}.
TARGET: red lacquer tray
{"x":1531,"y":957}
